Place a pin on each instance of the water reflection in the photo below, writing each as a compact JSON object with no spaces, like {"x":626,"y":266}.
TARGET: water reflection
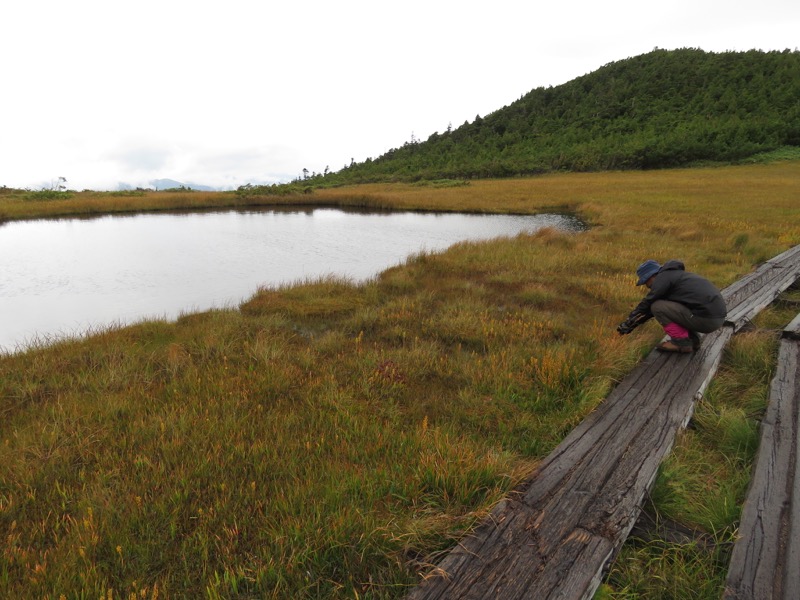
{"x":63,"y":277}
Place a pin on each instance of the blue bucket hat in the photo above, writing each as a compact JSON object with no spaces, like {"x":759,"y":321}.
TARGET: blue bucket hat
{"x":646,"y":270}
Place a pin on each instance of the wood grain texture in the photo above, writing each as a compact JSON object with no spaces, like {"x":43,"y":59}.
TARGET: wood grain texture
{"x":792,"y":330}
{"x":765,"y":563}
{"x":555,"y":536}
{"x":752,"y":293}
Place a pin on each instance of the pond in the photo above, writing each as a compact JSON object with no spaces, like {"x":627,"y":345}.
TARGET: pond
{"x":68,"y":276}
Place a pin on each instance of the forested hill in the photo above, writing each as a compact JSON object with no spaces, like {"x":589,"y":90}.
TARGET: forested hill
{"x":665,"y":108}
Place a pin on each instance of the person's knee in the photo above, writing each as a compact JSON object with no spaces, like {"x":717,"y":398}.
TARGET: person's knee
{"x":709,"y":325}
{"x":661,"y":311}
{"x":667,"y":311}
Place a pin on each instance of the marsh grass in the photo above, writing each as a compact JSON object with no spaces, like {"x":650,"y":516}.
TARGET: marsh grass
{"x":27,"y":205}
{"x":665,"y":571}
{"x":331,"y":439}
{"x":703,"y":483}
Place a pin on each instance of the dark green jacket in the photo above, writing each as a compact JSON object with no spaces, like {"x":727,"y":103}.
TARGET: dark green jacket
{"x":673,"y":282}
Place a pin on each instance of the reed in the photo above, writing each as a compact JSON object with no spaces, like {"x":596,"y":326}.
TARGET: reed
{"x":331,"y":440}
{"x":703,"y":483}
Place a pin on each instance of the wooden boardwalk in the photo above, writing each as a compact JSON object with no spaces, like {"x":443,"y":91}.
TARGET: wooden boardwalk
{"x":765,"y":563}
{"x":555,"y":536}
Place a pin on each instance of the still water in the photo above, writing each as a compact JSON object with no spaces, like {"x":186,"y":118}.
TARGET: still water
{"x":69,"y":276}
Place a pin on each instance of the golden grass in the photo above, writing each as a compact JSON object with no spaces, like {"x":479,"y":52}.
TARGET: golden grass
{"x":329,"y":440}
{"x":703,"y":482}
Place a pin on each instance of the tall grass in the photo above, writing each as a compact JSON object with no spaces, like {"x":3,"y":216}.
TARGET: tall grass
{"x":25,"y":205}
{"x":703,"y":483}
{"x":331,"y":440}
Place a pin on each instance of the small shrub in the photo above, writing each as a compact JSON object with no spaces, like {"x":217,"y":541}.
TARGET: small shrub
{"x":441,"y":183}
{"x":44,"y":195}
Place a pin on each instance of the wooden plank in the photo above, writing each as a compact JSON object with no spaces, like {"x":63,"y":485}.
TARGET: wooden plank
{"x":743,"y":312}
{"x":583,"y":499}
{"x":765,"y":563}
{"x":764,"y":272}
{"x":555,"y":535}
{"x":752,"y":293}
{"x":792,"y":330}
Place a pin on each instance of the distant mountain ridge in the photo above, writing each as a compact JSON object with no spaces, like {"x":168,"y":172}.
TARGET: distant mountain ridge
{"x":666,"y":108}
{"x":170,"y":184}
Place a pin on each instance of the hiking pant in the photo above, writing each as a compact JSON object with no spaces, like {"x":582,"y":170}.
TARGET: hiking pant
{"x":666,"y":312}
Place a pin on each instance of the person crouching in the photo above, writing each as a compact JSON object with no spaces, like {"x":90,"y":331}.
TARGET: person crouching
{"x":684,"y":303}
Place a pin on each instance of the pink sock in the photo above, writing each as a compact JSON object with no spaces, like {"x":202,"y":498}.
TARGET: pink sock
{"x":676,"y":332}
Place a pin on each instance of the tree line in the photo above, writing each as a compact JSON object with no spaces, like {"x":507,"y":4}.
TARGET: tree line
{"x":666,"y":108}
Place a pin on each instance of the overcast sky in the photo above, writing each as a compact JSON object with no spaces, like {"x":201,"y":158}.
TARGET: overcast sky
{"x":243,"y":91}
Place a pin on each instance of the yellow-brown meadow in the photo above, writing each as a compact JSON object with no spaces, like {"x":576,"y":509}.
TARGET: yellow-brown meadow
{"x":328,"y":439}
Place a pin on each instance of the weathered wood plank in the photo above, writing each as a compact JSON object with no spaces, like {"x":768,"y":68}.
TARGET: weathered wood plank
{"x":765,"y":563}
{"x":554,"y":537}
{"x":748,"y":296}
{"x":743,"y":312}
{"x":765,"y":272}
{"x":584,"y":498}
{"x":792,"y":330}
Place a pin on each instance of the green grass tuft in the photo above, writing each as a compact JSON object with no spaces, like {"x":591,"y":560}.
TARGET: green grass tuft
{"x":332,"y":439}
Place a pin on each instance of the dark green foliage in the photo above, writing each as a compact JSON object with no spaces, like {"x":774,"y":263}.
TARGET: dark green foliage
{"x":442,"y":183}
{"x":276,"y":189}
{"x":137,"y":193}
{"x":43,"y":195}
{"x":661,"y":109}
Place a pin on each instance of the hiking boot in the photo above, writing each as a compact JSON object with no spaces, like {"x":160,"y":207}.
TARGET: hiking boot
{"x":695,"y":340}
{"x":682,"y":345}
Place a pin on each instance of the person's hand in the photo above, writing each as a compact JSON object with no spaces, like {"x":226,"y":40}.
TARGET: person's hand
{"x":632,"y":322}
{"x":625,"y":327}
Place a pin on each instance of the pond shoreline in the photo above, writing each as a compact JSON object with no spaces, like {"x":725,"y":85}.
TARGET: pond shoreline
{"x":75,"y":274}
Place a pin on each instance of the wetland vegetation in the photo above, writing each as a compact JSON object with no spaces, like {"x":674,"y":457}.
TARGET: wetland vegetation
{"x":331,"y":439}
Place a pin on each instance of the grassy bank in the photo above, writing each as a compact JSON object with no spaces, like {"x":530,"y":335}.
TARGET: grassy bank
{"x":330,"y":440}
{"x":696,"y":500}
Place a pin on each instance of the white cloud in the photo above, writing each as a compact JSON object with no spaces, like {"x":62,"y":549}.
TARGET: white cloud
{"x":227,"y":93}
{"x":145,"y":157}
